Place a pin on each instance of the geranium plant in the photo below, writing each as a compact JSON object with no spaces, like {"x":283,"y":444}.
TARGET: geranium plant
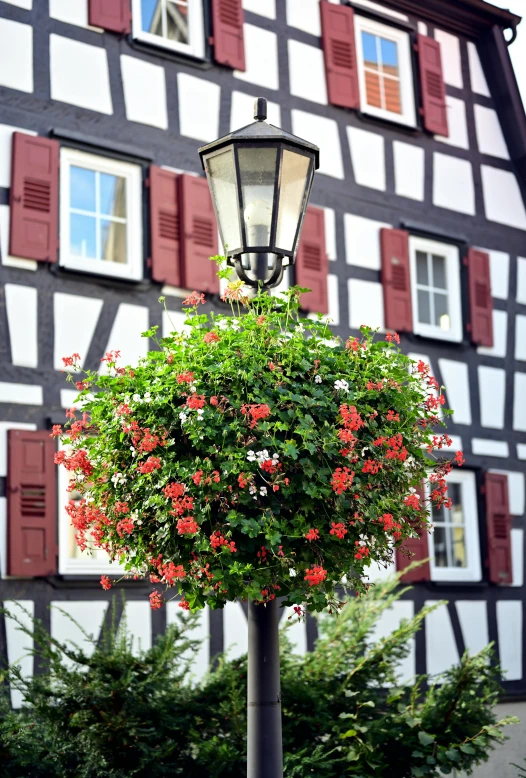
{"x":254,"y":455}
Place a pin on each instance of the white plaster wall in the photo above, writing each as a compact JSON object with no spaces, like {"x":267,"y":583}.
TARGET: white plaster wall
{"x":441,"y":647}
{"x":7,"y":259}
{"x":473,"y":617}
{"x":517,"y":557}
{"x":492,"y":390}
{"x":6,"y":139}
{"x":502,"y":197}
{"x":453,"y":184}
{"x":362,"y":241}
{"x":519,"y":406}
{"x":125,"y":335}
{"x":261,"y":58}
{"x":27,"y":5}
{"x":173,"y":321}
{"x":242,"y":111}
{"x":490,"y":448}
{"x":509,"y":630}
{"x":520,"y":338}
{"x":19,"y":645}
{"x":22,"y":318}
{"x":368,"y":157}
{"x":138,"y":619}
{"x":201,"y":657}
{"x":409,"y":170}
{"x":521,"y":450}
{"x":457,"y":125}
{"x":330,"y":234}
{"x":16,"y":55}
{"x":500,"y":336}
{"x":71,"y":12}
{"x":304,"y":15}
{"x":74,"y":622}
{"x":386,"y":625}
{"x":521,"y":280}
{"x":75,"y":319}
{"x":144,"y":87}
{"x":489,"y":133}
{"x":382,"y":8}
{"x":265,"y":8}
{"x":296,"y":631}
{"x":499,"y":266}
{"x":79,"y":74}
{"x":324,"y":133}
{"x":451,"y":62}
{"x":307,"y":72}
{"x":456,"y":380}
{"x":366,"y":304}
{"x":21,"y":394}
{"x":235,"y":630}
{"x":198,"y":107}
{"x":479,"y":84}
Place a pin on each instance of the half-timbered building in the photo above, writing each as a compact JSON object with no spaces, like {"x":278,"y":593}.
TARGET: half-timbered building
{"x":417,"y":224}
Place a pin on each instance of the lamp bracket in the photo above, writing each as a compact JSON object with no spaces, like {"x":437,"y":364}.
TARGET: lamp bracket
{"x":272,"y":281}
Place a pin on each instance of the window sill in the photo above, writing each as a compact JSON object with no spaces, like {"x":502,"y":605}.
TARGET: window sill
{"x":380,"y":122}
{"x":201,"y":63}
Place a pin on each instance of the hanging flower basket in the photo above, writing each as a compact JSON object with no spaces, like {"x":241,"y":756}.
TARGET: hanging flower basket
{"x":254,"y":456}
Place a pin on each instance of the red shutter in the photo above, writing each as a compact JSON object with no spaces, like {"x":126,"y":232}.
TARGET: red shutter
{"x":31,"y":504}
{"x":498,"y":521}
{"x":33,"y":198}
{"x":312,"y":265}
{"x":164,"y":226}
{"x":228,"y":40}
{"x":396,"y":280}
{"x":480,"y":298}
{"x":419,"y":548}
{"x":113,"y":15}
{"x":434,"y":109}
{"x":339,"y":51}
{"x":199,"y":235}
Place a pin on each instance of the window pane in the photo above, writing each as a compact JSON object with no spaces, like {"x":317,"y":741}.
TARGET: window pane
{"x":82,"y":236}
{"x":257,"y":168}
{"x":222,"y":181}
{"x":294,"y":178}
{"x":458,"y":547}
{"x":152,"y":16}
{"x":112,"y":195}
{"x":393,"y":102}
{"x":440,"y":544}
{"x":441,"y":311}
{"x":389,"y":52}
{"x":372,"y":89}
{"x":422,"y":276}
{"x":454,"y":492}
{"x":82,"y":188}
{"x":113,"y":241}
{"x":424,"y":309}
{"x":370,"y":57}
{"x":177,"y":22}
{"x":439,"y":272}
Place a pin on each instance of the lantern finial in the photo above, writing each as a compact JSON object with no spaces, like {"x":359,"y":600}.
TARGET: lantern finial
{"x":260,"y":109}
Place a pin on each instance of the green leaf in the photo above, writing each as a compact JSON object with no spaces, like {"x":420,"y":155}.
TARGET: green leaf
{"x":350,"y":733}
{"x":466,"y":748}
{"x":425,"y":738}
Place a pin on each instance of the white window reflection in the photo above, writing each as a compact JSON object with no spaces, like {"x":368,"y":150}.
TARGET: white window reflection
{"x":174,"y":24}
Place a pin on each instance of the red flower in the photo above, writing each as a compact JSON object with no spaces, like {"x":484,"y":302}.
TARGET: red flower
{"x":214,"y":401}
{"x":170,"y":572}
{"x":174,"y":490}
{"x":361,"y":551}
{"x":459,"y":458}
{"x":312,"y":534}
{"x":260,"y":320}
{"x":105,"y":582}
{"x":351,"y":418}
{"x":392,"y":416}
{"x":211,"y":337}
{"x":187,"y":526}
{"x":342,"y":479}
{"x":184,"y":605}
{"x":412,"y":501}
{"x":151,"y":464}
{"x":242,"y":480}
{"x":196,"y":478}
{"x":185,"y":378}
{"x":194,"y":299}
{"x":338,"y":530}
{"x":256,"y":412}
{"x":124,"y":526}
{"x":111,"y":356}
{"x":196,"y":401}
{"x":56,"y":431}
{"x":217,"y":540}
{"x":393,"y":336}
{"x":71,"y":361}
{"x":353,"y":344}
{"x":156,"y":600}
{"x":315,"y":575}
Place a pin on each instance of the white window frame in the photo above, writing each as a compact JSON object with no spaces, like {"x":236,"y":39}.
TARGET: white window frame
{"x":66,"y":565}
{"x":473,"y":571}
{"x":451,"y":253}
{"x":407,"y":92}
{"x":196,"y":45}
{"x":133,"y":269}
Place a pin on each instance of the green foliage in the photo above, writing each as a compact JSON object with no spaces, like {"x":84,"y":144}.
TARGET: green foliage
{"x":254,"y":455}
{"x":116,"y":715}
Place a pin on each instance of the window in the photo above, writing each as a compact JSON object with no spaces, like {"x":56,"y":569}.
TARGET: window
{"x":71,"y":560}
{"x":385,"y":71}
{"x":173,"y":24}
{"x":100,"y":215}
{"x":454,"y":545}
{"x":435,"y":289}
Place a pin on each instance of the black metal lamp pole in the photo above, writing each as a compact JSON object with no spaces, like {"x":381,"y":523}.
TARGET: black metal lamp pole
{"x":264,"y":739}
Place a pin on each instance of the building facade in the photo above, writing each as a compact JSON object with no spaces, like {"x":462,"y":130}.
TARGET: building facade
{"x":417,"y":224}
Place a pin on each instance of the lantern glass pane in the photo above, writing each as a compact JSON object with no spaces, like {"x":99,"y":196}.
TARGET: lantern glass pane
{"x":257,"y":167}
{"x":222,"y":181}
{"x":294,"y":178}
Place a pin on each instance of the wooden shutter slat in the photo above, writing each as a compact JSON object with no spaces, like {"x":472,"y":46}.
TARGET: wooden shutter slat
{"x":33,"y":198}
{"x":112,"y":15}
{"x":396,"y":280}
{"x":199,"y":237}
{"x":432,"y":86}
{"x":165,"y":226}
{"x":480,"y":298}
{"x":498,"y":521}
{"x":312,"y":264}
{"x":339,"y":52}
{"x":31,"y":504}
{"x":228,"y":40}
{"x":419,"y":548}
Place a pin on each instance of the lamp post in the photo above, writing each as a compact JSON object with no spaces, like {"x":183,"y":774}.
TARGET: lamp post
{"x":260,"y":179}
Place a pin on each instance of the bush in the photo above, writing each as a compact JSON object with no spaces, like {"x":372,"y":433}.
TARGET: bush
{"x":116,"y":715}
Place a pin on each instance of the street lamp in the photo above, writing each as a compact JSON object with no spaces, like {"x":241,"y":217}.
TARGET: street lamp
{"x":260,"y":179}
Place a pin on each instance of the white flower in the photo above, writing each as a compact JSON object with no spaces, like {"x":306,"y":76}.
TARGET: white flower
{"x":251,"y":456}
{"x":139,"y":522}
{"x":127,"y":399}
{"x":318,"y":379}
{"x":134,"y":453}
{"x":275,"y":457}
{"x":118,"y":478}
{"x":147,"y":397}
{"x":252,"y":489}
{"x":193,"y":388}
{"x":183,"y":417}
{"x":200,"y":411}
{"x":299,"y":328}
{"x":263,"y":491}
{"x":136,"y":398}
{"x":222,"y":324}
{"x":236,"y":326}
{"x":341,"y":385}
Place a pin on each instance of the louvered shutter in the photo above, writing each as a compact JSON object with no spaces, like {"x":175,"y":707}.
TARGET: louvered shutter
{"x":339,"y":52}
{"x":396,"y":280}
{"x":432,"y":85}
{"x":33,"y":198}
{"x":498,"y":520}
{"x":164,"y":226}
{"x":31,"y":504}
{"x":312,"y":265}
{"x":199,"y":239}
{"x":480,"y":298}
{"x":228,"y":40}
{"x":113,"y":15}
{"x":419,"y":548}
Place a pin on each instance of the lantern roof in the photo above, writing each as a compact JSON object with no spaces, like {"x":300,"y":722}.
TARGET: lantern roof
{"x":258,"y":131}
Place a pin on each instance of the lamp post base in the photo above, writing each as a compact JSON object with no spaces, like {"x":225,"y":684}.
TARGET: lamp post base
{"x":264,"y":739}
